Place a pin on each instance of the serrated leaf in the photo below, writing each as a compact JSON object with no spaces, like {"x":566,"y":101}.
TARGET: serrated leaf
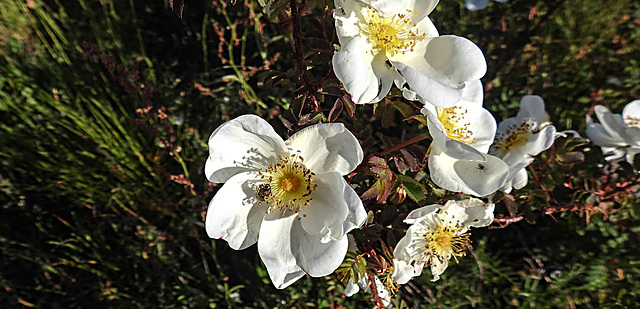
{"x":415,"y":190}
{"x":385,"y":183}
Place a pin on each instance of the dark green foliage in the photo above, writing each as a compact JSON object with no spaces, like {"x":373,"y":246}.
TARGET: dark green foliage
{"x":106,"y":107}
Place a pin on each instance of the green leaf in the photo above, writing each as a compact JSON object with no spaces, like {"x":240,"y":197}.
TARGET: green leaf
{"x":415,"y":190}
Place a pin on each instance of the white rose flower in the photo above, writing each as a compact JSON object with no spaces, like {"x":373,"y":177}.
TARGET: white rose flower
{"x":617,"y":135}
{"x":519,"y":139}
{"x":385,"y":42}
{"x":289,"y":197}
{"x":437,"y":233}
{"x":461,"y":137}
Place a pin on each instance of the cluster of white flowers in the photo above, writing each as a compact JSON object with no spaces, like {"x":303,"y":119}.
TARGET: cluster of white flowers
{"x":291,"y":199}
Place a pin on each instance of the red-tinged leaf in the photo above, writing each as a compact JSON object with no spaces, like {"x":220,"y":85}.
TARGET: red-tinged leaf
{"x":385,"y":183}
{"x":512,"y":206}
{"x":287,"y":124}
{"x":349,"y":105}
{"x":377,"y":161}
{"x":421,"y":118}
{"x":401,"y":165}
{"x":411,"y":160}
{"x":388,"y":114}
{"x":335,"y":110}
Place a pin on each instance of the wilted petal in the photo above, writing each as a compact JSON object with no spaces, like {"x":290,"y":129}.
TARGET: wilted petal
{"x":233,"y":214}
{"x":244,"y":143}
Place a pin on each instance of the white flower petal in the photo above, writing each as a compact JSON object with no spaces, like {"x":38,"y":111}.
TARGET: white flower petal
{"x":314,"y":257}
{"x":452,"y":148}
{"x":276,"y":250}
{"x":389,"y":8}
{"x":403,"y":271}
{"x":346,"y":19}
{"x":613,"y":123}
{"x":244,"y":143}
{"x":603,"y":138}
{"x":437,"y":268}
{"x":532,"y":106}
{"x":477,"y":213}
{"x":482,"y":178}
{"x":327,"y":148}
{"x":535,"y":144}
{"x":327,"y":210}
{"x":472,"y":93}
{"x":421,"y":212}
{"x":631,"y":110}
{"x":428,"y":88}
{"x":632,"y":136}
{"x":449,"y":59}
{"x":475,"y":5}
{"x":353,"y":67}
{"x":520,"y":179}
{"x":484,"y":129}
{"x":351,"y":288}
{"x":233,"y":214}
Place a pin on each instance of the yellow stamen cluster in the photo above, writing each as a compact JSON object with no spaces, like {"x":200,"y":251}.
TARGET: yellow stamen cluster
{"x":514,"y":135}
{"x":453,"y":120}
{"x":443,"y":241}
{"x":632,"y":121}
{"x":392,"y":35}
{"x":286,"y":185}
{"x":439,"y":237}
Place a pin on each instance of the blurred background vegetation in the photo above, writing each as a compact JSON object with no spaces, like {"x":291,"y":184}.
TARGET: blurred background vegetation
{"x":106,"y":107}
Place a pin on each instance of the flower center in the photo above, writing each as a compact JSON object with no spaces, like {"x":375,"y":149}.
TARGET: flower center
{"x":440,"y":238}
{"x":453,"y":120}
{"x":443,"y":242}
{"x":286,"y":185}
{"x":392,"y":35}
{"x":514,"y":136}
{"x":632,"y":121}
